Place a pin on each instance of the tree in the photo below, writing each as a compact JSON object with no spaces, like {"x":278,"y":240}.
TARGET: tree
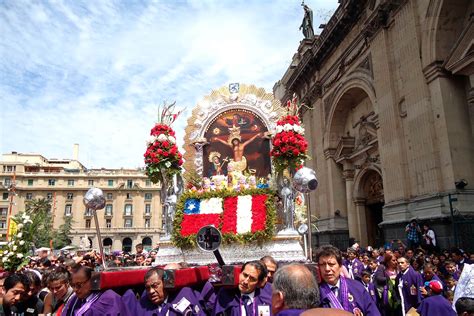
{"x":61,"y":236}
{"x":41,"y":227}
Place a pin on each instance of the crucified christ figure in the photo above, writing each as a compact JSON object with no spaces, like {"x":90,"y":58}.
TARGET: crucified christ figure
{"x":239,"y":162}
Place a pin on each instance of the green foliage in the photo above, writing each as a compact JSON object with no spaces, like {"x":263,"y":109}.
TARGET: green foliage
{"x":61,"y":236}
{"x":39,"y":211}
{"x":187,"y":242}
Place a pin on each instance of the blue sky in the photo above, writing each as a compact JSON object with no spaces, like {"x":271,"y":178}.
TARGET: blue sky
{"x":93,"y":72}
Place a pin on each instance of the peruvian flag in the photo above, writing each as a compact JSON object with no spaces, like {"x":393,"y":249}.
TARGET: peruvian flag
{"x":236,"y":214}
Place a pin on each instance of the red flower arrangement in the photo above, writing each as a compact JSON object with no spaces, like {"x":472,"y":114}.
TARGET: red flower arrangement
{"x":289,"y":144}
{"x":162,"y":157}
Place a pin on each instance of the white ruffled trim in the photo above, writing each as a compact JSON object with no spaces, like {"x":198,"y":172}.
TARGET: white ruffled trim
{"x":244,"y":214}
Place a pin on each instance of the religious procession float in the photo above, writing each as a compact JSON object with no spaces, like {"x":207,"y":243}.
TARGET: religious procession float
{"x":235,"y":195}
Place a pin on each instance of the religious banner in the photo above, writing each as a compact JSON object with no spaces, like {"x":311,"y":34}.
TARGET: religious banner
{"x":237,"y":142}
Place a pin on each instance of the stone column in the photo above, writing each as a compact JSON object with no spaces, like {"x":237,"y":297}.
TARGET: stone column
{"x":348,"y":176}
{"x":361,"y":221}
{"x":336,"y":187}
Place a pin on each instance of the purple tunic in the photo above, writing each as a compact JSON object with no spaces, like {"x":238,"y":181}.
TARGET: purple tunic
{"x":207,"y":296}
{"x":358,"y":298}
{"x":370,"y":288}
{"x":435,"y":305}
{"x":357,"y":267}
{"x":108,"y":303}
{"x":266,"y":292}
{"x":146,"y":308}
{"x":411,"y":282}
{"x":228,"y":302}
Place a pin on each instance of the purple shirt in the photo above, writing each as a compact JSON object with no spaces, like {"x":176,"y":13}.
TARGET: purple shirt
{"x":228,"y":302}
{"x":108,"y":303}
{"x":411,"y":282}
{"x":146,"y":308}
{"x":357,"y":267}
{"x":435,"y":305}
{"x":358,"y":298}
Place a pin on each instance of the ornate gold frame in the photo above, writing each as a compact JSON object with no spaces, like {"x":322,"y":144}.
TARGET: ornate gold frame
{"x":249,"y":98}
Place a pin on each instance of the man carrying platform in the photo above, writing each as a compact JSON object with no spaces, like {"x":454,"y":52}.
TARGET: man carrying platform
{"x":87,"y":302}
{"x":156,"y":300}
{"x":340,"y":292}
{"x":247,"y":298}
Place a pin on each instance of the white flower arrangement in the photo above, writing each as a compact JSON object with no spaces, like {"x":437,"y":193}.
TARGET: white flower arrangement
{"x":162,"y":137}
{"x":290,"y":127}
{"x":13,"y":254}
{"x":211,"y":206}
{"x":244,"y":214}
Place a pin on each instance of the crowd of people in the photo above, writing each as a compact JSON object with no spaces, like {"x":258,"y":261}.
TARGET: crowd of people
{"x":355,"y":282}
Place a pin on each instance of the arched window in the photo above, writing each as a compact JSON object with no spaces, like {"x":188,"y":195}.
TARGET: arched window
{"x":147,"y":243}
{"x":107,"y":242}
{"x":127,"y":244}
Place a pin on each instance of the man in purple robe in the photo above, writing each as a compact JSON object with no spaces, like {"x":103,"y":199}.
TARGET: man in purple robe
{"x":87,"y":302}
{"x":157,"y":301}
{"x":272,"y":266}
{"x":353,"y":265}
{"x":247,"y":298}
{"x":409,"y":283}
{"x":435,"y":304}
{"x":339,"y":292}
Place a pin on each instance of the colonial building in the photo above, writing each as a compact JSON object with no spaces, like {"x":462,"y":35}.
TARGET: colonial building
{"x":132,"y":214}
{"x":389,"y":86}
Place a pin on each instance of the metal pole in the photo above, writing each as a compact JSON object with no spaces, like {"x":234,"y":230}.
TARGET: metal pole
{"x":310,"y":234}
{"x":101,"y":247}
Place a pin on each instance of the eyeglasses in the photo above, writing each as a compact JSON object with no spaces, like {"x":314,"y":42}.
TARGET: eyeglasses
{"x":79,"y":285}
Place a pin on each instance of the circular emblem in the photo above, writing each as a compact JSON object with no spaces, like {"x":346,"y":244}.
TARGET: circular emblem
{"x":350,"y":297}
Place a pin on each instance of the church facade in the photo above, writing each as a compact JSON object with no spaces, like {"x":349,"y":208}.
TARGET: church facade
{"x":389,"y":90}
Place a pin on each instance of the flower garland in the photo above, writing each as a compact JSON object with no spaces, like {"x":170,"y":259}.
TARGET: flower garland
{"x":245,"y":216}
{"x":14,"y":254}
{"x":162,"y":157}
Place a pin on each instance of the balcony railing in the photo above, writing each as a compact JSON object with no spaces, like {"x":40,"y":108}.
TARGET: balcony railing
{"x":118,"y":230}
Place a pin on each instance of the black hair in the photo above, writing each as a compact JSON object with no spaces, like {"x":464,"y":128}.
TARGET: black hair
{"x":45,"y":262}
{"x":465,"y":305}
{"x":155,"y":270}
{"x":259,"y":266}
{"x":329,"y":251}
{"x":32,"y":277}
{"x":14,"y":279}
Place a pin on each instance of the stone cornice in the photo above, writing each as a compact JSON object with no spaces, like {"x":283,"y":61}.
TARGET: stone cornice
{"x":461,"y":59}
{"x":434,"y":70}
{"x":329,"y":153}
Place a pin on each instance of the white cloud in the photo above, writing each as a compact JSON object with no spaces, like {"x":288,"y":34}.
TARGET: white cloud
{"x":93,"y":72}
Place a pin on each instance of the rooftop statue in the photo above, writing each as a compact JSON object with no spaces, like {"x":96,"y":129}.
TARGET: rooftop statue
{"x":307,"y":24}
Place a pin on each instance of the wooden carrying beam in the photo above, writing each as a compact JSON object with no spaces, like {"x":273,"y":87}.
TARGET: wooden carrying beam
{"x":130,"y":278}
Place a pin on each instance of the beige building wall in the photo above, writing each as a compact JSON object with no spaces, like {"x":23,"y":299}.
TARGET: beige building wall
{"x":391,"y":118}
{"x":133,"y":207}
